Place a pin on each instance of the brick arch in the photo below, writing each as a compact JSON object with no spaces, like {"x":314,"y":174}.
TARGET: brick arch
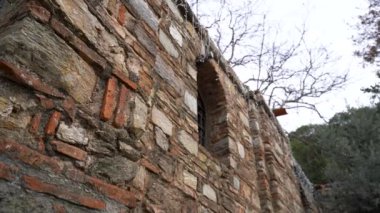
{"x":212,"y":95}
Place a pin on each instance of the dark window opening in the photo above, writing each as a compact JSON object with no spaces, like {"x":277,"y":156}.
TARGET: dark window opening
{"x":201,"y":121}
{"x":212,"y":109}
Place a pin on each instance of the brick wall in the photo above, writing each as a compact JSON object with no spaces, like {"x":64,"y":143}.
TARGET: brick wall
{"x":98,"y":113}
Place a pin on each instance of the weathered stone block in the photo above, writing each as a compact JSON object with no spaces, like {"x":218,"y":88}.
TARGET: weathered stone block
{"x":244,"y":119}
{"x":80,"y":16}
{"x":167,"y":73}
{"x":6,"y":107}
{"x":191,"y":102}
{"x":236,"y":182}
{"x":73,"y":134}
{"x":189,"y":179}
{"x":129,"y":152}
{"x":241,"y":150}
{"x":101,"y":147}
{"x":32,"y":44}
{"x":14,"y":121}
{"x":167,"y":44}
{"x":188,"y":142}
{"x":146,"y":40}
{"x":138,"y":116}
{"x":143,"y":10}
{"x":174,"y":32}
{"x":141,"y":177}
{"x":174,"y":9}
{"x":209,"y":192}
{"x":192,"y":72}
{"x":119,"y":170}
{"x":161,"y":120}
{"x":161,"y":139}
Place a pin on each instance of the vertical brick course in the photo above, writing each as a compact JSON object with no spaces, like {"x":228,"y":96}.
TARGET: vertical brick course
{"x":109,"y":99}
{"x":52,"y":123}
{"x":120,"y":114}
{"x":35,"y":123}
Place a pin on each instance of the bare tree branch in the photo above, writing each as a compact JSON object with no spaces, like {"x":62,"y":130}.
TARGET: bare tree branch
{"x":289,"y":74}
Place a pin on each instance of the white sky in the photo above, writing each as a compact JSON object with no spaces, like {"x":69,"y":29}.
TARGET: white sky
{"x":331,"y":23}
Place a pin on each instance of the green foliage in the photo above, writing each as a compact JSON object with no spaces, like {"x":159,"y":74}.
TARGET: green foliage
{"x":369,"y":42}
{"x":308,"y":153}
{"x":346,"y":153}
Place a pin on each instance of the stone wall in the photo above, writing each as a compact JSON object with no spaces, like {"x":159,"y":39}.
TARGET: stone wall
{"x":98,"y":113}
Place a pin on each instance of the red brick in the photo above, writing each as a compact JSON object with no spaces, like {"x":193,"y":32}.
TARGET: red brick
{"x":69,"y":150}
{"x":29,"y":156}
{"x":121,"y":107}
{"x":148,"y":165}
{"x":38,"y":12}
{"x":70,"y":107}
{"x":109,"y":99}
{"x":7,"y":172}
{"x":53,"y":122}
{"x":121,"y":15}
{"x":40,"y":144}
{"x":35,"y":123}
{"x":114,"y":192}
{"x":45,"y":102}
{"x":25,"y":78}
{"x":120,"y":75}
{"x":60,"y":29}
{"x":89,"y":55}
{"x":37,"y":185}
{"x":146,"y":82}
{"x":59,"y":208}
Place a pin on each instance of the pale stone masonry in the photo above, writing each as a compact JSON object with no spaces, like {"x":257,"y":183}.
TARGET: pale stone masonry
{"x":126,"y":106}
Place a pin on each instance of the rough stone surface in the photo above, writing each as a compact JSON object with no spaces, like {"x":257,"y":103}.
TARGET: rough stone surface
{"x":64,"y":68}
{"x":192,"y":72}
{"x":188,"y":142}
{"x":143,"y":10}
{"x":176,"y":35}
{"x":6,"y":107}
{"x":244,"y":119}
{"x":139,"y":115}
{"x":161,"y":139}
{"x":168,"y":45}
{"x":167,"y":73}
{"x":241,"y":150}
{"x":174,"y":9}
{"x":189,"y":179}
{"x":209,"y":192}
{"x":72,"y":134}
{"x":191,"y":102}
{"x":236,"y":182}
{"x":129,"y":152}
{"x":141,"y":177}
{"x":98,"y":105}
{"x":161,"y":120}
{"x":79,"y":14}
{"x":119,"y":170}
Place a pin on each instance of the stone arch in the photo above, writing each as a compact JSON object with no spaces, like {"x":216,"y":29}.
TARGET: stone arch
{"x":212,"y":97}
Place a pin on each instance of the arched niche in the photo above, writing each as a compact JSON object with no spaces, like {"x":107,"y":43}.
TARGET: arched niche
{"x":212,"y":109}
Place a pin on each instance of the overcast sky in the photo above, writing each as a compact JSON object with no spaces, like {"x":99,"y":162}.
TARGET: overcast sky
{"x":331,"y":23}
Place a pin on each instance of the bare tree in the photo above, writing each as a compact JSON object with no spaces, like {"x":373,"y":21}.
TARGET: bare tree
{"x":290,"y":74}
